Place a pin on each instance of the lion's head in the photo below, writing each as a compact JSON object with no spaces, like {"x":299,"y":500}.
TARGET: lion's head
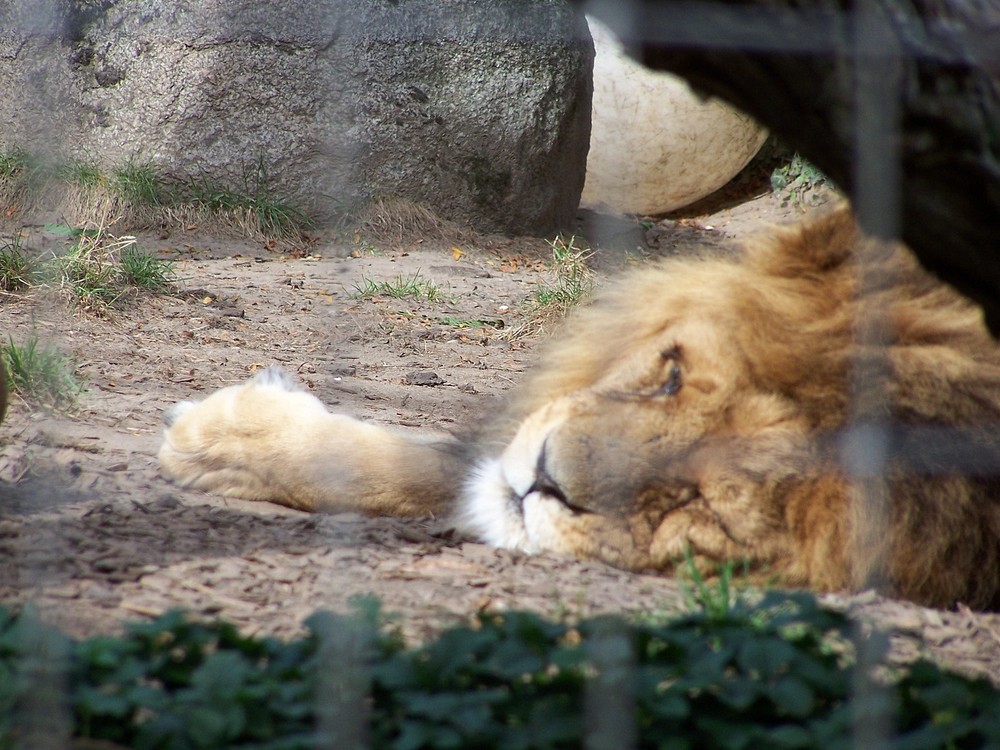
{"x":698,"y":408}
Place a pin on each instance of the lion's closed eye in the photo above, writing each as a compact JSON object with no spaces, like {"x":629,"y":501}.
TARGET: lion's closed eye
{"x":665,"y":380}
{"x":669,"y":379}
{"x":674,"y":381}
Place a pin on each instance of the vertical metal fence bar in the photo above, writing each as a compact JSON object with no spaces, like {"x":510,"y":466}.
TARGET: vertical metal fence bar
{"x":877,"y":90}
{"x":43,"y":717}
{"x":609,"y":701}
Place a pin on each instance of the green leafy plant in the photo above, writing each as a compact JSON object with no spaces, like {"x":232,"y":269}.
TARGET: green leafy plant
{"x":797,"y":181}
{"x":715,"y":598}
{"x":413,"y":286}
{"x":781,"y":673}
{"x":363,"y":248}
{"x":40,"y":373}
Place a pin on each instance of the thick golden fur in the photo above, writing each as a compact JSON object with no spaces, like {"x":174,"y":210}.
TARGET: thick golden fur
{"x":696,"y":407}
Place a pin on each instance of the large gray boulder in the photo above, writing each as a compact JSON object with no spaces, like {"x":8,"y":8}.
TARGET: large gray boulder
{"x":479,"y":109}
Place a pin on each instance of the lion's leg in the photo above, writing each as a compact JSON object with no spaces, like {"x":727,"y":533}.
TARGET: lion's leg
{"x":269,"y":440}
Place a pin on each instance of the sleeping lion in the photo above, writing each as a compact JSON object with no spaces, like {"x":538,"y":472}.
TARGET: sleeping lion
{"x":695,"y":410}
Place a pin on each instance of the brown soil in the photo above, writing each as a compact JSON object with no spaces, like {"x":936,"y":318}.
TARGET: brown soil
{"x":93,"y":536}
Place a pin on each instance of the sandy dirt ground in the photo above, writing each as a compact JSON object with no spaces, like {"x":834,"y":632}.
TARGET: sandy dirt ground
{"x":92,"y":535}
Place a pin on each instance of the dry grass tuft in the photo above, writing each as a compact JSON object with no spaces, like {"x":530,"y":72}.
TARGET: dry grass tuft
{"x":573,"y":283}
{"x":395,"y":220}
{"x":136,"y":196}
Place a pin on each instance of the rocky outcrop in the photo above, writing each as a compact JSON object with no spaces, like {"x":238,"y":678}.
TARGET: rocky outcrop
{"x":655,"y":145}
{"x":479,"y":109}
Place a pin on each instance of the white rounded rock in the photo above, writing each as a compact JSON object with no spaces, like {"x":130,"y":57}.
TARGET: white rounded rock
{"x":656,"y":146}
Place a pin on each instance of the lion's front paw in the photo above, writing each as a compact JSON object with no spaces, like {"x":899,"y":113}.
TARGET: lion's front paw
{"x":227,"y":443}
{"x":277,"y":378}
{"x":269,"y":440}
{"x":171,"y":415}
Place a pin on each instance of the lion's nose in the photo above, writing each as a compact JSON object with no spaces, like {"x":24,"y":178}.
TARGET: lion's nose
{"x":544,"y":481}
{"x":547,"y":485}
